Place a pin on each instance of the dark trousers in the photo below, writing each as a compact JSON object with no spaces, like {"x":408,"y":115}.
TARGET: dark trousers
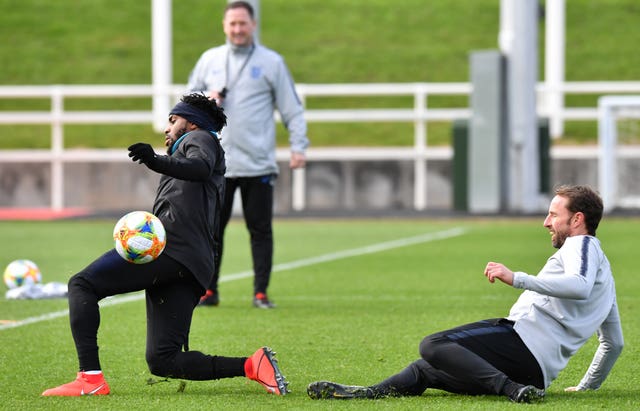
{"x":172,"y":293}
{"x":485,"y":357}
{"x":257,"y":207}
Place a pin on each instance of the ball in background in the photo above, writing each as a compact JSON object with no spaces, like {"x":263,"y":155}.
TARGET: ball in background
{"x":139,"y":237}
{"x":21,"y":272}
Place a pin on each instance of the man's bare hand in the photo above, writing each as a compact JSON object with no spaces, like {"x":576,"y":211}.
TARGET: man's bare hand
{"x":298,"y":160}
{"x":498,"y":271}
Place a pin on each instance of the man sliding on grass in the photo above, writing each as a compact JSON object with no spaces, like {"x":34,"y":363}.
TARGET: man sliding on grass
{"x":570,"y":299}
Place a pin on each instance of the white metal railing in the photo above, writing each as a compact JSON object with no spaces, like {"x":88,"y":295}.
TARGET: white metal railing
{"x":419,"y":115}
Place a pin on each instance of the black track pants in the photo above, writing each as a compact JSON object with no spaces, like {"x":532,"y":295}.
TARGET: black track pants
{"x":484,"y":357}
{"x":171,"y":296}
{"x":257,"y":207}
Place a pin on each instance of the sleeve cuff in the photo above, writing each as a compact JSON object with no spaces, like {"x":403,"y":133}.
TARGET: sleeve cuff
{"x":519,"y":279}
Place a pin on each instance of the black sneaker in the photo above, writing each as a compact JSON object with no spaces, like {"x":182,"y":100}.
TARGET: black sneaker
{"x":325,"y":390}
{"x":211,"y":298}
{"x":528,"y":394}
{"x":260,"y":300}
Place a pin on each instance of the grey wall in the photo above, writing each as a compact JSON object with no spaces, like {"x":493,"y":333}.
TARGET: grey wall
{"x":331,"y":185}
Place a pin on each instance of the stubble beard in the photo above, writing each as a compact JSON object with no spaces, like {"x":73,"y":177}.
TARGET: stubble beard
{"x":178,"y":134}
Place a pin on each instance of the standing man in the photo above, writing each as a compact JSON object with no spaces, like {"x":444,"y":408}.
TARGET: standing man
{"x":571,"y":298}
{"x":250,"y":81}
{"x":187,"y":202}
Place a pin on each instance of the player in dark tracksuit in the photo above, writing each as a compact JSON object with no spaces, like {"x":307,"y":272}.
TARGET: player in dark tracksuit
{"x":187,"y":202}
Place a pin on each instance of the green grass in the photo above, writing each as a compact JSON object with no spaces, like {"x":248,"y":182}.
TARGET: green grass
{"x":356,"y":319}
{"x":323,"y":41}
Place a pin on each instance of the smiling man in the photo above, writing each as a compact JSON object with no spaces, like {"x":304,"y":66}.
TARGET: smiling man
{"x":572,"y":298}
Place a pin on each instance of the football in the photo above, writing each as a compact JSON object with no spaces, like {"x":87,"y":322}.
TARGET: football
{"x":139,"y":237}
{"x":21,"y":272}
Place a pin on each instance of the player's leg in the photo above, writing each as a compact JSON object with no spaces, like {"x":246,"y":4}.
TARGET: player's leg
{"x":487,"y":354}
{"x":110,"y":274}
{"x":420,"y":375}
{"x":257,"y":200}
{"x":411,"y":381}
{"x":479,"y":358}
{"x":212,"y":296}
{"x":170,"y":306}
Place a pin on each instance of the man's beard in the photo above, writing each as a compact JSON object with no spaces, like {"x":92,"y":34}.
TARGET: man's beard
{"x":179,"y":134}
{"x":559,"y":240}
{"x":561,"y":237}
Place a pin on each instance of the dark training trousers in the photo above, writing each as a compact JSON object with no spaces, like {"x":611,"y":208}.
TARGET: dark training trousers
{"x":485,"y":357}
{"x":257,"y":207}
{"x":171,"y":296}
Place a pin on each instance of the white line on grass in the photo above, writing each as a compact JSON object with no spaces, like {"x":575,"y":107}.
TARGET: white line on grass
{"x":305,"y":262}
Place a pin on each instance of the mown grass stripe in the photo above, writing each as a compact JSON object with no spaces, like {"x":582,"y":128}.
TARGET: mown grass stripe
{"x":305,"y":262}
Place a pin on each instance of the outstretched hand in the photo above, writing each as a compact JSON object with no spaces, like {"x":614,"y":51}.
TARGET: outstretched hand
{"x":143,"y":153}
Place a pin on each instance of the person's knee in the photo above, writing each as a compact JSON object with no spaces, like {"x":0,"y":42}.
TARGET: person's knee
{"x":430,"y":347}
{"x":74,"y":281}
{"x":78,"y":283}
{"x":160,"y":365}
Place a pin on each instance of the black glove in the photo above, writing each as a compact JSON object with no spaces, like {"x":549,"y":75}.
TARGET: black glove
{"x":142,"y":153}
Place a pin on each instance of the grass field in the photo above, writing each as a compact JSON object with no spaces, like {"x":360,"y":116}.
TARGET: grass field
{"x":355,"y":297}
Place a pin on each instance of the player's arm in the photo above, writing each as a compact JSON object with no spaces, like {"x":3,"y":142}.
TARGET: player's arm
{"x":609,"y":349}
{"x":196,"y":166}
{"x":292,"y":112}
{"x":578,"y":268}
{"x":496,"y":271}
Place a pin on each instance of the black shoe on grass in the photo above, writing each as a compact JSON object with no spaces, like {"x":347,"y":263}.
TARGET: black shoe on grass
{"x":210,"y":298}
{"x":260,"y":300}
{"x":325,"y":390}
{"x":528,"y":394}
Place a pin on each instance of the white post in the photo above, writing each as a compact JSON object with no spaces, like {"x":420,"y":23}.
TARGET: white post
{"x":57,"y":147}
{"x":298,"y":199}
{"x":420,"y":148}
{"x":161,"y":61}
{"x":607,"y":142}
{"x":519,"y":44}
{"x":554,"y":65}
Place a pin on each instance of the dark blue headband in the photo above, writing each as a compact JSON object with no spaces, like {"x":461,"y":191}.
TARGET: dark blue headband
{"x":194,"y":115}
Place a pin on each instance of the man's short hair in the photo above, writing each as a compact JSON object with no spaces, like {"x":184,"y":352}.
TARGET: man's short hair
{"x":585,"y":200}
{"x":240,"y":5}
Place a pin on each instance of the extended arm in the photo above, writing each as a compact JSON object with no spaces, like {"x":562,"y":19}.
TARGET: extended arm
{"x":611,"y":343}
{"x":192,"y":168}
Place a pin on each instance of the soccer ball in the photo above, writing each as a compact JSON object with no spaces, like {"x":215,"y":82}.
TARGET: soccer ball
{"x":139,"y":237}
{"x":21,"y":272}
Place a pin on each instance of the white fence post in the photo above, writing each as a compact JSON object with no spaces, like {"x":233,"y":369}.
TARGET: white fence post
{"x":420,"y":148}
{"x":57,"y":148}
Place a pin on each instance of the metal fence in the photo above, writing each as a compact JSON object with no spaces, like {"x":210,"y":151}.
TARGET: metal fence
{"x":420,"y":114}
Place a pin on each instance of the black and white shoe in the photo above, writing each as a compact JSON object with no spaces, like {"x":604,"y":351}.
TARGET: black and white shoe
{"x":325,"y":390}
{"x":528,"y":394}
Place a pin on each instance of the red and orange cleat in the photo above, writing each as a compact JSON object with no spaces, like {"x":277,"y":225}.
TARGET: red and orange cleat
{"x":84,"y":384}
{"x":263,"y":368}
